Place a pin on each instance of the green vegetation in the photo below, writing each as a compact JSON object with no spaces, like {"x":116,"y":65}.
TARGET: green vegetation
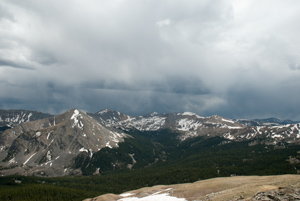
{"x":160,"y":159}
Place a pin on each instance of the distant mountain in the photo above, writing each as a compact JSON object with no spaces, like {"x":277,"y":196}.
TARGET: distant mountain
{"x":190,"y":125}
{"x":11,"y":118}
{"x":76,"y":142}
{"x":265,"y":122}
{"x":273,"y":120}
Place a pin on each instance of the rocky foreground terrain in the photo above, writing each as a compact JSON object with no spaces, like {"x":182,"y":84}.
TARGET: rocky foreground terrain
{"x":279,"y":188}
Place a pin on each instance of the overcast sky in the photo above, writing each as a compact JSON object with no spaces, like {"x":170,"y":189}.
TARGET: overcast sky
{"x":238,"y":59}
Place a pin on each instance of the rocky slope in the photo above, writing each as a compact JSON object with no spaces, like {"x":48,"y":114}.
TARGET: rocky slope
{"x":283,"y":187}
{"x":49,"y":146}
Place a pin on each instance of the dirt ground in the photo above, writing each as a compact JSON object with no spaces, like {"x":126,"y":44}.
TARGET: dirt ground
{"x":224,"y":188}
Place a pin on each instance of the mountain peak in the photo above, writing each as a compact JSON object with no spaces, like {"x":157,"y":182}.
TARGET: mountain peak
{"x":104,"y":111}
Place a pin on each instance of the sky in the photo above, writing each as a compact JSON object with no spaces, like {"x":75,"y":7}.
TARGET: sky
{"x":237,"y":59}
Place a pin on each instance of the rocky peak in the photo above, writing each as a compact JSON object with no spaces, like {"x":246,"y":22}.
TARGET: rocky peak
{"x":48,"y":144}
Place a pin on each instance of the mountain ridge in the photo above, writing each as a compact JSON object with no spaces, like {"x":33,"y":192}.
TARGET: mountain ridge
{"x":77,"y":142}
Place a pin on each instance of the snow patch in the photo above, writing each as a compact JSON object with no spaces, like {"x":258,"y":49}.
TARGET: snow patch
{"x":277,"y":136}
{"x":228,"y":136}
{"x":76,"y":115}
{"x":126,"y":194}
{"x":152,"y":123}
{"x":158,"y":196}
{"x":188,"y":125}
{"x":234,"y":127}
{"x":227,"y":120}
{"x":103,"y":111}
{"x":48,"y":156}
{"x":11,"y":161}
{"x":192,"y":114}
{"x":49,"y":135}
{"x":51,"y":142}
{"x":83,"y":150}
{"x":28,"y":159}
{"x":28,"y":117}
{"x":108,"y":145}
{"x":38,"y":134}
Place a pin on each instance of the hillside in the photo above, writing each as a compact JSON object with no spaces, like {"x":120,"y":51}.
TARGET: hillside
{"x":282,"y":187}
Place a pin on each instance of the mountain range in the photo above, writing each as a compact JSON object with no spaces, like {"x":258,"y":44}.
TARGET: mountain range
{"x":80,"y":143}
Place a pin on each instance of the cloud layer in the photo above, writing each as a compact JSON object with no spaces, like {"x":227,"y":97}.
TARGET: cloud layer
{"x":239,"y":59}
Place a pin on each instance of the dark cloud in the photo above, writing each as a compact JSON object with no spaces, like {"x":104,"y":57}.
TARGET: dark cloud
{"x":4,"y":63}
{"x":209,"y":57}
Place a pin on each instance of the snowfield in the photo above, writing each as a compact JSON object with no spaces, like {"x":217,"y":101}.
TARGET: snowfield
{"x":158,"y":196}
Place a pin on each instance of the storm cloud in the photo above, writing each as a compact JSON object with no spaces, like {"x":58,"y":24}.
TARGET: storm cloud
{"x":239,"y":59}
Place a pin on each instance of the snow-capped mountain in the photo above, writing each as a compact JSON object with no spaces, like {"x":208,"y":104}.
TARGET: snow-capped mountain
{"x":76,"y":142}
{"x":48,"y":146}
{"x":11,"y":118}
{"x":192,"y":125}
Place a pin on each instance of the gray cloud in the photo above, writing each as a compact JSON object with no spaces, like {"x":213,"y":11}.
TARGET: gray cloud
{"x":4,"y":63}
{"x":209,"y":57}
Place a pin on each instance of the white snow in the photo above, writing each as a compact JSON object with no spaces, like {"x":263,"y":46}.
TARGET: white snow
{"x":51,"y":142}
{"x":133,"y":160}
{"x":156,"y":197}
{"x":153,"y":114}
{"x":38,"y":134}
{"x":152,"y":123}
{"x":234,"y":127}
{"x":228,"y":136}
{"x":108,"y":145}
{"x":28,"y":159}
{"x":188,"y":124}
{"x":281,"y":126}
{"x":76,"y":115}
{"x":192,"y":114}
{"x":126,"y":194}
{"x":49,"y":156}
{"x":11,"y":161}
{"x":91,"y":153}
{"x":28,"y":118}
{"x":83,"y":149}
{"x":103,"y":111}
{"x":49,"y":135}
{"x":277,"y":136}
{"x":227,"y":120}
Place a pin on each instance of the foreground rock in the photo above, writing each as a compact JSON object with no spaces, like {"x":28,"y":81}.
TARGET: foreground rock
{"x":282,"y":187}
